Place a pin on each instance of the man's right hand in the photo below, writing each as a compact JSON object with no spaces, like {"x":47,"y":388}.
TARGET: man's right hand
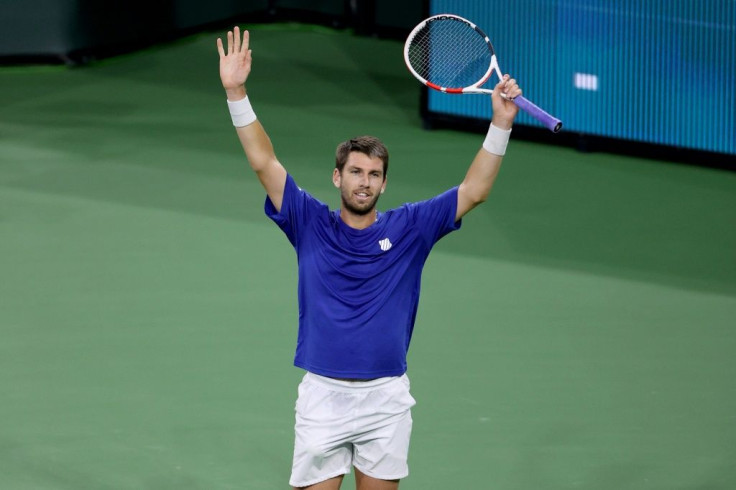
{"x":235,"y":64}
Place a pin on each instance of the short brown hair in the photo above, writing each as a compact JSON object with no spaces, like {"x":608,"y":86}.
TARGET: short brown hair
{"x":369,"y":145}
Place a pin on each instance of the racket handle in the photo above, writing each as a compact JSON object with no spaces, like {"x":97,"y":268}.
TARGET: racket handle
{"x":548,"y":120}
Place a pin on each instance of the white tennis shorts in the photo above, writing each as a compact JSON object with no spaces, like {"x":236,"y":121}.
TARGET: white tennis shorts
{"x":340,"y":424}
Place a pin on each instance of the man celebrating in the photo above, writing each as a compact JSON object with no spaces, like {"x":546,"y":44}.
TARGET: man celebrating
{"x":359,"y":280}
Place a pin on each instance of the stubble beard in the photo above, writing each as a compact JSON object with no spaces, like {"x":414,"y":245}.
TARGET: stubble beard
{"x":359,"y":210}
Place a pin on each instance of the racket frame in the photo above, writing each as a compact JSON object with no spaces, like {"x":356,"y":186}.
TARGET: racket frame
{"x":549,"y":121}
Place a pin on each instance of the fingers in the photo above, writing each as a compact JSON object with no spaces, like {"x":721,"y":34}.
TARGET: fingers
{"x":234,"y":43}
{"x":507,"y":88}
{"x":236,"y":39}
{"x":246,"y":41}
{"x":504,"y":109}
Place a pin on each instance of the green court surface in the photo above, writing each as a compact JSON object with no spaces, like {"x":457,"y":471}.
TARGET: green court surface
{"x":578,"y":332}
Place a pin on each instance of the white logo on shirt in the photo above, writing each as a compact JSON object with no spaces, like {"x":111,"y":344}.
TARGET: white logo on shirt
{"x":385,"y":244}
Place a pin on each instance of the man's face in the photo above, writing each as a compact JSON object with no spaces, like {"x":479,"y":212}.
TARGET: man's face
{"x":361,"y":182}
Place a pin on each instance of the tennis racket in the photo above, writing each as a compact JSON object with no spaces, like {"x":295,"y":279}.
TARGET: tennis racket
{"x":451,"y":54}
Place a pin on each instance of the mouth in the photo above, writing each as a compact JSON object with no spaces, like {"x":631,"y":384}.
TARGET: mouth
{"x":362,"y":196}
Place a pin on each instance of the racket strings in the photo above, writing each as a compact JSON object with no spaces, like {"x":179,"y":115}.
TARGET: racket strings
{"x":450,"y":54}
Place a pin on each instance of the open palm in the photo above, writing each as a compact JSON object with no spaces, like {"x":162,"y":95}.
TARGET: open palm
{"x":236,"y":62}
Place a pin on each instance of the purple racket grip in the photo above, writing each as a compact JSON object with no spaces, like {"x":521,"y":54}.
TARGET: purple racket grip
{"x":548,"y":120}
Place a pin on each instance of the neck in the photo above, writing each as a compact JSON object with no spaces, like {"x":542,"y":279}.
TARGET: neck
{"x":358,"y":221}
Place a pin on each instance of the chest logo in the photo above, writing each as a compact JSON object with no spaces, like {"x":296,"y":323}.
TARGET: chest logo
{"x":385,"y":244}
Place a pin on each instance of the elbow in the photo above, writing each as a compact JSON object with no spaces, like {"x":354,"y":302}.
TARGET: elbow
{"x":479,"y":193}
{"x":262,"y":163}
{"x":482,"y":196}
{"x":474,"y":195}
{"x":477,"y":200}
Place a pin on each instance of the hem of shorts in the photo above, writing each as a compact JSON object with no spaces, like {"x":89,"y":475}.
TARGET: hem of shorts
{"x":318,"y":480}
{"x":398,"y":476}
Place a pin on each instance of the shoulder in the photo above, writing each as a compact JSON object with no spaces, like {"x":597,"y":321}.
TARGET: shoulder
{"x":446,"y":199}
{"x":302,"y":196}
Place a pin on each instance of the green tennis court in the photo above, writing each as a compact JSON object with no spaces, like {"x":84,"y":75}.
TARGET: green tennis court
{"x":579,"y":332}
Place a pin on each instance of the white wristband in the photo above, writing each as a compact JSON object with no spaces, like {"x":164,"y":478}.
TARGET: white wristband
{"x":496,"y":140}
{"x":241,"y":112}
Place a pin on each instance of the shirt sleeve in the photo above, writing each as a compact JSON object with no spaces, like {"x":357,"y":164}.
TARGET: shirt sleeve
{"x":297,"y":206}
{"x":436,"y":216}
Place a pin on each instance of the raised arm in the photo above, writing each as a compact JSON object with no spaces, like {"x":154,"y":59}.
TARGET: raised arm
{"x":483,"y":171}
{"x":235,"y":66}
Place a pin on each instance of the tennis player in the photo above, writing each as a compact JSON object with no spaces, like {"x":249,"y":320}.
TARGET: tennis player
{"x":359,"y":280}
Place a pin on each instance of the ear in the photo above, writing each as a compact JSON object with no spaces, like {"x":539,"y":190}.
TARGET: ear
{"x":383,"y":187}
{"x":336,"y":178}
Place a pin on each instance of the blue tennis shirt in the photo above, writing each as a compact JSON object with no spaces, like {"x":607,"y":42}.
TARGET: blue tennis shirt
{"x":359,"y":289}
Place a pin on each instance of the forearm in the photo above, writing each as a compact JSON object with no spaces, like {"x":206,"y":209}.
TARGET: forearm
{"x":253,"y":137}
{"x":484,"y":168}
{"x":482,"y":173}
{"x":257,"y":145}
{"x":480,"y":176}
